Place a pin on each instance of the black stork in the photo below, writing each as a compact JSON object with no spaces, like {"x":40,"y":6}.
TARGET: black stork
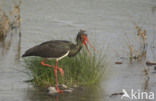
{"x":58,"y":49}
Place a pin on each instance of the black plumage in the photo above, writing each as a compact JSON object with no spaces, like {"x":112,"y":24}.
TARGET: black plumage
{"x":57,"y":48}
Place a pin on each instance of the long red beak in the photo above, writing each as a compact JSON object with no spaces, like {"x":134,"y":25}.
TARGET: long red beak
{"x":86,"y":40}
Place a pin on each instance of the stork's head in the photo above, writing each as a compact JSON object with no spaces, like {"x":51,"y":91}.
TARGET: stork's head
{"x":83,"y":39}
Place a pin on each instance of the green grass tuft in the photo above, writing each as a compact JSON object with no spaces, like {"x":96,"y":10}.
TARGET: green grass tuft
{"x":80,"y":70}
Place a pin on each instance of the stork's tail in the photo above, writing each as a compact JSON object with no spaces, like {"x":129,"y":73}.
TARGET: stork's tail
{"x":24,"y":55}
{"x":27,"y":53}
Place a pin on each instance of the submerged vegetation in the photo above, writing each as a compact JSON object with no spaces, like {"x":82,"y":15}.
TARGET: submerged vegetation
{"x":4,"y":25}
{"x":83,"y":69}
{"x":10,"y":28}
{"x":138,"y":53}
{"x":7,"y":24}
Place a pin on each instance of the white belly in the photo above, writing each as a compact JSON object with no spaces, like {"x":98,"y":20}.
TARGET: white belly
{"x":59,"y":58}
{"x":62,"y":56}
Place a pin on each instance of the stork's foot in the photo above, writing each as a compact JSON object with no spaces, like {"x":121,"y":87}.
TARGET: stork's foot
{"x":59,"y":91}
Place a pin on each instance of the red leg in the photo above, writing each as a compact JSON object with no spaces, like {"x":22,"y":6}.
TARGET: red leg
{"x":55,"y":71}
{"x":60,"y":69}
{"x":43,"y":63}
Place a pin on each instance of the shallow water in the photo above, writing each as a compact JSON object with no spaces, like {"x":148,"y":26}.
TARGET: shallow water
{"x":106,"y":22}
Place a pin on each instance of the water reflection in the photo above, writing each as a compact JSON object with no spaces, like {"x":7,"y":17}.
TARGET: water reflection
{"x":18,"y":52}
{"x":79,"y":94}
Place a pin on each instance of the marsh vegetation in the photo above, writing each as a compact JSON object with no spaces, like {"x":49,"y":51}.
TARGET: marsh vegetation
{"x":80,"y":70}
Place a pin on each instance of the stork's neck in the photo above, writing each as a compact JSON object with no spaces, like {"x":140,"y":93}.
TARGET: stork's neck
{"x":75,"y":49}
